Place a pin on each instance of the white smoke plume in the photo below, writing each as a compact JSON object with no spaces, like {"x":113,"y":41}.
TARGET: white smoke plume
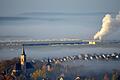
{"x":109,"y":26}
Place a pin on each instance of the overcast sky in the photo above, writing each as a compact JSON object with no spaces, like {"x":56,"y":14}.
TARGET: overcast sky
{"x":14,"y":7}
{"x":68,"y":18}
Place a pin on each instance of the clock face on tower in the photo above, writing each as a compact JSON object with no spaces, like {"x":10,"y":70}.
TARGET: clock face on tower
{"x":22,"y":59}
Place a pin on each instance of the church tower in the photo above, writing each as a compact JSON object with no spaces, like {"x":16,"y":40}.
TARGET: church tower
{"x":23,"y":61}
{"x":49,"y":66}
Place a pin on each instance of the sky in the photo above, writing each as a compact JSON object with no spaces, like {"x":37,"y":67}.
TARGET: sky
{"x":15,"y":7}
{"x":48,"y":19}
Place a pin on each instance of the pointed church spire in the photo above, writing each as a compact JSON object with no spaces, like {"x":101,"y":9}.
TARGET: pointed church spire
{"x":49,"y":65}
{"x":23,"y":56}
{"x":23,"y":51}
{"x":48,"y":61}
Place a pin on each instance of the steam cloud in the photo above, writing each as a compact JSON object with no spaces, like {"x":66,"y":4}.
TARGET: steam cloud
{"x":109,"y":26}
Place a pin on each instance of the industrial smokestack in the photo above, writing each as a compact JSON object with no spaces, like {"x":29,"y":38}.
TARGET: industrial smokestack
{"x":109,"y":26}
